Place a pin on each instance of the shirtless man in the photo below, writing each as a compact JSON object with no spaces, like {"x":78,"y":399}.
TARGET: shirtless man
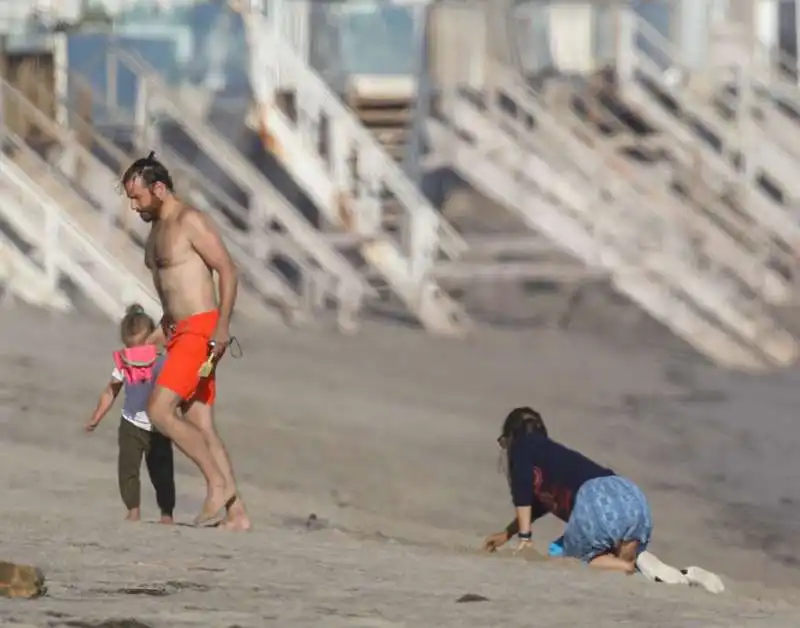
{"x":183,"y":251}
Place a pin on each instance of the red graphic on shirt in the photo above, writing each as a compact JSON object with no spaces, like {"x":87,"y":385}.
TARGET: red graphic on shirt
{"x":557,"y":499}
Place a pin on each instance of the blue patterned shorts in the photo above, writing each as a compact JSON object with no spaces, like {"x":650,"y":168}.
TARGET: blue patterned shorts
{"x":608,"y":511}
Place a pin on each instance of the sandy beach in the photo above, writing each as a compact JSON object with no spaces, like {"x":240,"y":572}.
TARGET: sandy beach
{"x":388,"y":438}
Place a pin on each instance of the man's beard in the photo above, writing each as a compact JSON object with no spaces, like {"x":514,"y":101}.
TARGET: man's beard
{"x":151,"y":213}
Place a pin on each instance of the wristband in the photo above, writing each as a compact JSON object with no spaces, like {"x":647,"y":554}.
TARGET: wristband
{"x":524,"y":536}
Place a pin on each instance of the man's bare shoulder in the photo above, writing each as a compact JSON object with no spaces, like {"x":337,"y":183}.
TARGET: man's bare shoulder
{"x":194,"y":220}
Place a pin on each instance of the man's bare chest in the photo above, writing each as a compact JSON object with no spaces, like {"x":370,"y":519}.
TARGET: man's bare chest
{"x":165,"y":247}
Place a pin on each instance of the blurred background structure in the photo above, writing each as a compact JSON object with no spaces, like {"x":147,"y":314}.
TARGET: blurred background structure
{"x":442,"y":162}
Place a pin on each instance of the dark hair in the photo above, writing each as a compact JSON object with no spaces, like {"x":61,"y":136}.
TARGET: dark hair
{"x":150,"y":170}
{"x":521,"y":422}
{"x":134,"y":323}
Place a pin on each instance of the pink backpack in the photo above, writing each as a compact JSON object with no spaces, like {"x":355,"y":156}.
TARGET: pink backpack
{"x":136,"y":363}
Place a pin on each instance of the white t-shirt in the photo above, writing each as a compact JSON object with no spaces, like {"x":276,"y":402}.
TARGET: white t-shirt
{"x":136,"y":395}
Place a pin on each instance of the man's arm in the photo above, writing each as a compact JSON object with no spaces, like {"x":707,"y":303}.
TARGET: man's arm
{"x":206,"y":240}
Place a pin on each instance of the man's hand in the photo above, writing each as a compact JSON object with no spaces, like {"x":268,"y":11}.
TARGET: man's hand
{"x":90,"y":426}
{"x":495,"y":541}
{"x":220,"y":341}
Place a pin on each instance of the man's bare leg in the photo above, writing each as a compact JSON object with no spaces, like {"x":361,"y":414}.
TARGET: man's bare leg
{"x":134,"y":514}
{"x":162,"y":410}
{"x":202,"y":417}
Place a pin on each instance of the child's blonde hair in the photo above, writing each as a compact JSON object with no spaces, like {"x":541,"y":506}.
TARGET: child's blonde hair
{"x":135,"y":325}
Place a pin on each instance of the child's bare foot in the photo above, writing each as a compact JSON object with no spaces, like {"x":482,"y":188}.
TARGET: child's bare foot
{"x":133,"y":515}
{"x":166,"y":520}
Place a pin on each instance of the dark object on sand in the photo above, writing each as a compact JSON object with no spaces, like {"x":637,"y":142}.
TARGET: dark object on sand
{"x":21,"y":581}
{"x":315,"y":523}
{"x":149,"y":591}
{"x":471,"y":597}
{"x":108,"y":623}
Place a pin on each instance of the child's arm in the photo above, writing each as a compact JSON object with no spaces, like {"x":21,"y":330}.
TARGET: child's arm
{"x":104,"y":403}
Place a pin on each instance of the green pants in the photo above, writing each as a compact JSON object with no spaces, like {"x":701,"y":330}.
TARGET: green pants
{"x":134,"y":442}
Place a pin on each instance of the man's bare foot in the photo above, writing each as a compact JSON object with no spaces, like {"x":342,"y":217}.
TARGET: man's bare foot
{"x":166,"y":520}
{"x":214,"y":510}
{"x":236,"y":519}
{"x":133,"y":515}
{"x":239,"y":524}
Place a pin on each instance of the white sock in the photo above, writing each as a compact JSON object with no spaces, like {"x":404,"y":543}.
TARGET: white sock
{"x":657,"y":571}
{"x":711,"y":582}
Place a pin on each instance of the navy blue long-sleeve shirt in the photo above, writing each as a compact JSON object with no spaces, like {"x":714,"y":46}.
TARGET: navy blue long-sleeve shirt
{"x":546,"y":475}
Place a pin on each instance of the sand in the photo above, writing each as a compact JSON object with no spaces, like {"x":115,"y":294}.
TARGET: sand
{"x":388,"y":438}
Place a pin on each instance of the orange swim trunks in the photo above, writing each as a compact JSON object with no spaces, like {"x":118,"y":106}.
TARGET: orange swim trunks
{"x":187,"y":350}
